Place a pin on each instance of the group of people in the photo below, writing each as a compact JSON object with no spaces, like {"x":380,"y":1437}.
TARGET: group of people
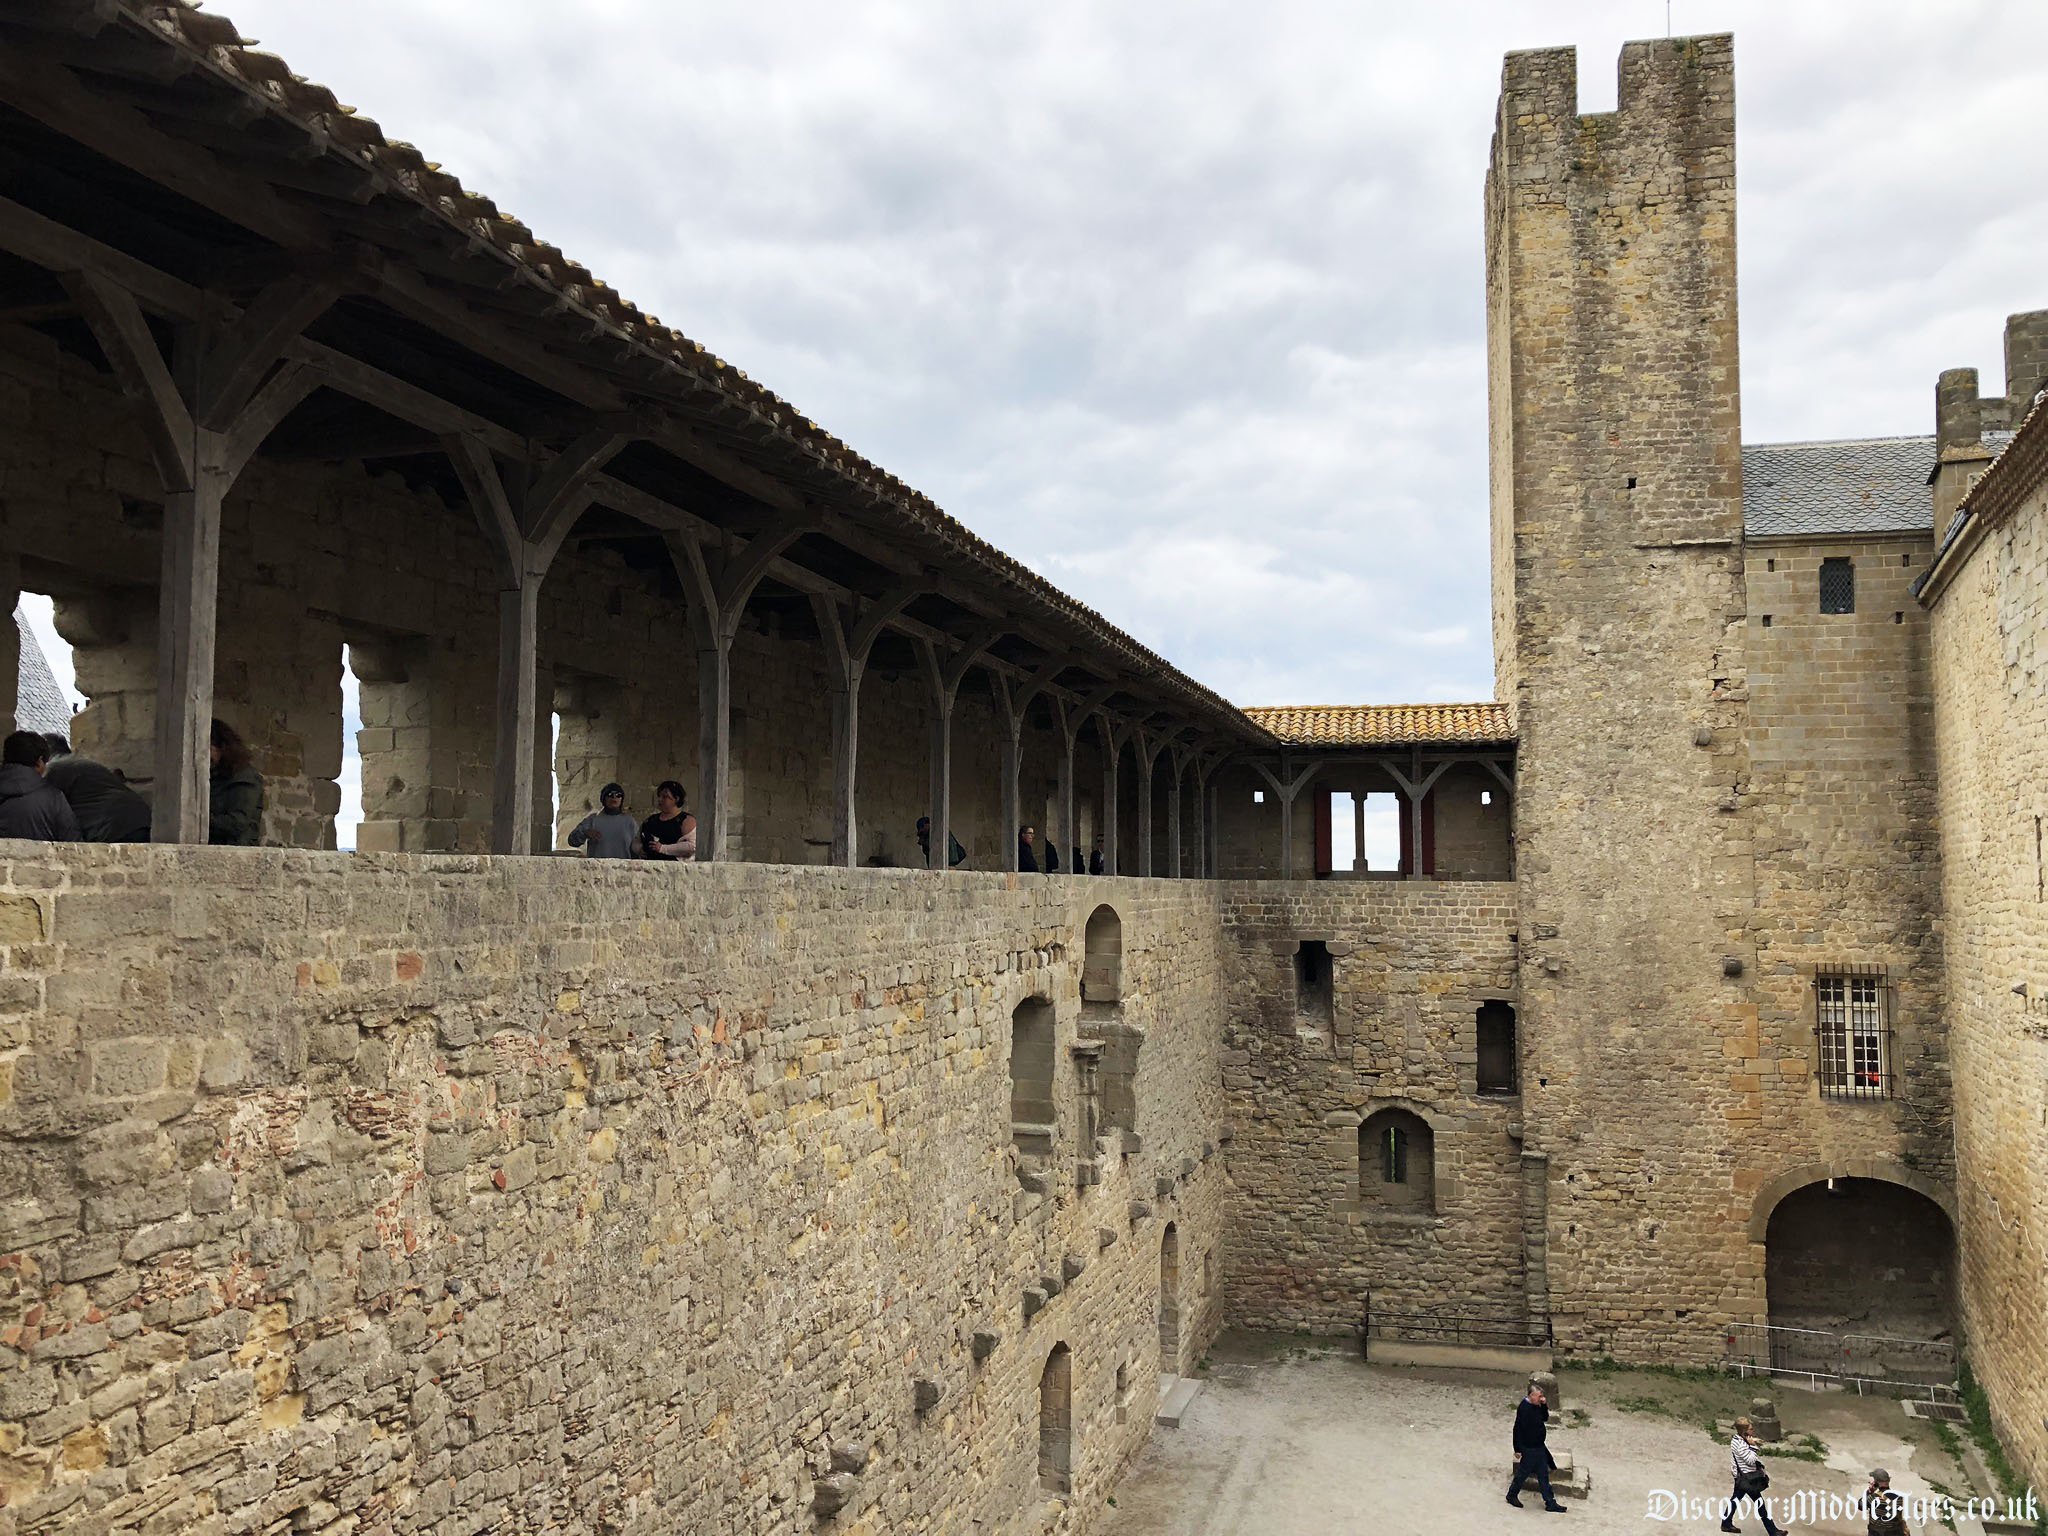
{"x":55,"y":795}
{"x":610,"y":832}
{"x":1046,"y":860}
{"x":1533,"y":1460}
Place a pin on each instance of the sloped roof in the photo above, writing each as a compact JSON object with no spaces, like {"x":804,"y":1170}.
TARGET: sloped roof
{"x":1860,"y":485}
{"x":1387,"y":725}
{"x":39,"y":704}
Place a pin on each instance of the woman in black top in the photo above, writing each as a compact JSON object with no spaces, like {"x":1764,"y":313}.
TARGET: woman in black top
{"x":671,"y":832}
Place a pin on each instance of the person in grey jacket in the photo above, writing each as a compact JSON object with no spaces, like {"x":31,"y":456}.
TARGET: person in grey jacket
{"x":609,"y":833}
{"x":108,"y":810}
{"x":28,"y":807}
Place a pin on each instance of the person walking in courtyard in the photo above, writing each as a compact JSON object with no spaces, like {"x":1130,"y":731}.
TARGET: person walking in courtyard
{"x":1750,"y":1477}
{"x":1027,"y":849}
{"x":1532,"y":1456}
{"x":234,"y":809}
{"x":108,"y":810}
{"x":671,"y":832}
{"x":30,"y":808}
{"x":607,"y":833}
{"x":1887,"y":1509}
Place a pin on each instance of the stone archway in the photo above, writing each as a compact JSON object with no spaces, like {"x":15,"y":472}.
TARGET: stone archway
{"x":1853,"y":1254}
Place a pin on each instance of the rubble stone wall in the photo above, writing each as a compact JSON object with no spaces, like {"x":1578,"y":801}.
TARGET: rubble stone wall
{"x":450,"y":1193}
{"x":1412,"y":961}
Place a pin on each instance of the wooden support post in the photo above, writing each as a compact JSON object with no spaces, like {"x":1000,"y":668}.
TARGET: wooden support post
{"x":202,"y":423}
{"x":1070,"y":830}
{"x":944,"y":677}
{"x":1286,"y":789}
{"x":518,"y":659}
{"x":716,"y":590}
{"x":1112,"y":752}
{"x":1010,"y":716}
{"x":1415,"y":785}
{"x":1146,"y":751}
{"x":1173,"y":817}
{"x":1357,"y":833}
{"x":847,"y":645}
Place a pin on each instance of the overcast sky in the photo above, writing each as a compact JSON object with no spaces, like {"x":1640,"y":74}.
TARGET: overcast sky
{"x":1181,"y":304}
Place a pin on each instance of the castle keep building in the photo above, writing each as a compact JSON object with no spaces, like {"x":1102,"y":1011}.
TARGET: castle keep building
{"x":440,"y":1186}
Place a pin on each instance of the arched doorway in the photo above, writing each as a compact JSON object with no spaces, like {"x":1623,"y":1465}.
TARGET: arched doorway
{"x":1056,"y":1422}
{"x":1102,"y":965}
{"x":1860,"y":1256}
{"x":1169,"y":1301}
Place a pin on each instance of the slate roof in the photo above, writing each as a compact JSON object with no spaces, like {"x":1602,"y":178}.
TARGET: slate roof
{"x":39,"y":704}
{"x":1862,"y":485}
{"x":1387,"y":725}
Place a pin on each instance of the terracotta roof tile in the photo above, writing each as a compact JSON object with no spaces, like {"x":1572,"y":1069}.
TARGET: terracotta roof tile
{"x":1387,"y":725}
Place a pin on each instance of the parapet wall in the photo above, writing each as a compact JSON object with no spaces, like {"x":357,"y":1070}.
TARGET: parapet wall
{"x":458,"y":1194}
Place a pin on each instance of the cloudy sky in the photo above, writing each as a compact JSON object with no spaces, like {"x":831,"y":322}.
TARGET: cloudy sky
{"x":1180,"y":303}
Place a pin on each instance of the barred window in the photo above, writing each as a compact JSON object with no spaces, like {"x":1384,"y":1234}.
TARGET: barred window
{"x":1853,"y":1025}
{"x":1394,"y":1155}
{"x":1837,"y":586}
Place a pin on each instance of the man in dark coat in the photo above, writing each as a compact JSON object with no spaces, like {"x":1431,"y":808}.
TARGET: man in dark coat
{"x":108,"y":810}
{"x":29,"y":808}
{"x":1532,"y":1456}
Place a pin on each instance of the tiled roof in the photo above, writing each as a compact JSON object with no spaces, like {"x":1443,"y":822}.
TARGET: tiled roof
{"x":38,"y":702}
{"x":1387,"y":725}
{"x":1864,"y":485}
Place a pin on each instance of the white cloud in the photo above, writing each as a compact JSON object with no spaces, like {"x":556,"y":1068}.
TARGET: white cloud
{"x":1182,"y":303}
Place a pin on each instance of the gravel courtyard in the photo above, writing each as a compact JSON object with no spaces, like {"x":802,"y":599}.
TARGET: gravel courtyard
{"x":1292,"y":1437}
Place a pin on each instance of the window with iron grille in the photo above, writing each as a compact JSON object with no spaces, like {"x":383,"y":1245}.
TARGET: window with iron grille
{"x":1837,"y":586}
{"x":1852,"y":1022}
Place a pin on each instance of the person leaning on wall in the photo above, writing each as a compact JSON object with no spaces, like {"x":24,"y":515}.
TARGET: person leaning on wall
{"x":234,"y":791}
{"x":107,"y":808}
{"x":608,"y":833}
{"x":671,"y":832}
{"x":30,"y":808}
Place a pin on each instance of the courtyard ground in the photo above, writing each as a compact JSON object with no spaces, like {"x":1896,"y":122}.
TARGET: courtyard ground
{"x":1293,"y":1437}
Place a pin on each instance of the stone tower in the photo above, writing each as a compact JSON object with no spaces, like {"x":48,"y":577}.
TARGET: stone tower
{"x":1619,"y":613}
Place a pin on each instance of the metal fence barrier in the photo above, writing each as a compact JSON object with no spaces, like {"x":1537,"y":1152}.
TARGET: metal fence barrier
{"x":1865,"y":1363}
{"x":1481,"y":1329}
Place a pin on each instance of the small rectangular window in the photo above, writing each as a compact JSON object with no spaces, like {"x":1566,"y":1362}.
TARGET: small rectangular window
{"x":1837,"y":586}
{"x":1852,"y":1025}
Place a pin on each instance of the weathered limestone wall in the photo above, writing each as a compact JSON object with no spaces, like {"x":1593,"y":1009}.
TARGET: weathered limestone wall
{"x":1413,"y":961}
{"x":451,"y":1194}
{"x":1616,"y":444}
{"x":1991,"y":743}
{"x":1848,"y":868}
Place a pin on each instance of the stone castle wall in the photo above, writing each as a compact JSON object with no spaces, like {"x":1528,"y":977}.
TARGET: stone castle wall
{"x":1310,"y":1235}
{"x":1618,"y":478}
{"x":452,"y":1193}
{"x":1991,"y":734}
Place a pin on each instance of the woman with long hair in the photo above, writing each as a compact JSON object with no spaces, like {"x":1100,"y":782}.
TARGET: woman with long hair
{"x":235,"y":791}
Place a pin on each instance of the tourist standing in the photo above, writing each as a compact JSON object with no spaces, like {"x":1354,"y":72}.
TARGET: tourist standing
{"x":1532,"y":1456}
{"x":234,"y":800}
{"x":1887,"y":1509}
{"x":29,"y":808}
{"x":607,"y":833}
{"x":671,"y":832}
{"x":1027,"y":850}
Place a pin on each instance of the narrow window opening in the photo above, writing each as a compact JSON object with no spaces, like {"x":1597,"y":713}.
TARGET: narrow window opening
{"x":1397,"y":1162}
{"x":1056,"y":1422}
{"x":1905,"y":560}
{"x":1837,"y":586}
{"x":1315,"y":991}
{"x":1486,"y":797}
{"x":554,"y":834}
{"x":1631,"y":482}
{"x":1767,"y":621}
{"x":1033,"y":1119}
{"x":1258,"y":797}
{"x":1770,"y":565}
{"x":1852,"y":1027}
{"x":1496,"y":1022}
{"x":1899,"y":618}
{"x":348,"y":818}
{"x":2040,"y":884}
